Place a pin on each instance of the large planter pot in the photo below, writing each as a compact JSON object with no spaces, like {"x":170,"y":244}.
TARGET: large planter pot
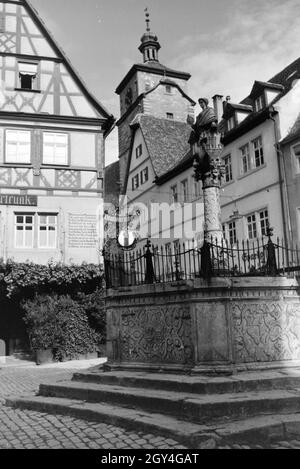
{"x":44,"y":356}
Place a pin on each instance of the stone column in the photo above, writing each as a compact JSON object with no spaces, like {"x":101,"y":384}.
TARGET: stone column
{"x":209,"y":169}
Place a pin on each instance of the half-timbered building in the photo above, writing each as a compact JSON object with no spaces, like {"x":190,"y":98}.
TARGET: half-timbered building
{"x":52,"y":134}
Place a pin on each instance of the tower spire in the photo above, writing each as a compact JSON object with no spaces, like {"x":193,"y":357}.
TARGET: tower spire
{"x":150,"y":45}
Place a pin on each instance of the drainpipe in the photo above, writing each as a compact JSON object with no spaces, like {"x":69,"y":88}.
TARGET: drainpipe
{"x":282,"y":182}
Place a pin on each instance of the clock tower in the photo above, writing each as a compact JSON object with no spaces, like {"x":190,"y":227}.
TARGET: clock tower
{"x":150,"y":88}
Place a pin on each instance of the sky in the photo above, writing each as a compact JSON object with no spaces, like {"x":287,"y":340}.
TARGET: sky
{"x":224,"y":44}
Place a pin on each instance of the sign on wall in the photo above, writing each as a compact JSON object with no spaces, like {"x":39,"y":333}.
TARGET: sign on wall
{"x":22,"y":200}
{"x":82,"y":231}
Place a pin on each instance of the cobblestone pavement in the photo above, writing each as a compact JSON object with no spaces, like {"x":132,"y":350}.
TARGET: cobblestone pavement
{"x":289,"y":443}
{"x":22,"y":429}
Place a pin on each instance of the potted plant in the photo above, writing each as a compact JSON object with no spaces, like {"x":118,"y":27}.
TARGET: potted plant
{"x":41,"y":325}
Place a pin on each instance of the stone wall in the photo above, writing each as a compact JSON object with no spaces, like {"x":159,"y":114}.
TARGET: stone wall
{"x":231,"y":324}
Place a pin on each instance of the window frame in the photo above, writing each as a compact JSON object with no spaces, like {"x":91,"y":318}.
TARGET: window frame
{"x":261,"y":224}
{"x":16,"y":224}
{"x":184,"y":186}
{"x":252,"y":223}
{"x":230,"y":172}
{"x":35,"y":77}
{"x":139,"y":151}
{"x":259,"y":103}
{"x":248,"y":158}
{"x":232,"y":233}
{"x":135,"y":182}
{"x":296,"y":158}
{"x":47,"y":214}
{"x":6,"y":140}
{"x":68,"y":155}
{"x":144,"y":175}
{"x":260,"y":149}
{"x":231,"y":123}
{"x":175,"y":186}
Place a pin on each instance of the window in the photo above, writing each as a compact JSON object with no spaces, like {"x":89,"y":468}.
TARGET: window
{"x":228,"y":168}
{"x":139,"y":151}
{"x":185,"y":190}
{"x":144,"y":175}
{"x":197,"y":188}
{"x":296,"y":153}
{"x":28,"y":75}
{"x":135,"y":182}
{"x":231,"y":123}
{"x":259,"y":103}
{"x":18,"y":146}
{"x":170,"y":115}
{"x":24,"y":230}
{"x":47,"y":231}
{"x":252,"y":227}
{"x":174,"y":194}
{"x":168,"y":89}
{"x":55,"y":148}
{"x":245,"y":159}
{"x":264,"y":222}
{"x":258,"y":152}
{"x":232,"y":232}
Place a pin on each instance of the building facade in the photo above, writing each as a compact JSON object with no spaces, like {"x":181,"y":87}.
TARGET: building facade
{"x":52,"y":135}
{"x":290,"y":151}
{"x":255,"y":188}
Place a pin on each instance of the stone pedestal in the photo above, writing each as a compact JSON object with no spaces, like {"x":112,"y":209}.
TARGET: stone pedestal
{"x":226,"y":326}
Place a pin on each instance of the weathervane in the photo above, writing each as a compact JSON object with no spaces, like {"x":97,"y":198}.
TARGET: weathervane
{"x":147,"y":19}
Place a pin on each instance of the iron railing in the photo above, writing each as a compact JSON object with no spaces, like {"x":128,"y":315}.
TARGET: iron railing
{"x":153,"y":264}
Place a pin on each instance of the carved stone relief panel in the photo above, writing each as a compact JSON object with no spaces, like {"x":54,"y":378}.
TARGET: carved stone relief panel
{"x":156,"y":334}
{"x":266,"y":331}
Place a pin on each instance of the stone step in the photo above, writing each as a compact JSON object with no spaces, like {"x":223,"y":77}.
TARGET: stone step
{"x":242,"y":382}
{"x":186,"y":406}
{"x":258,"y":429}
{"x":189,"y":434}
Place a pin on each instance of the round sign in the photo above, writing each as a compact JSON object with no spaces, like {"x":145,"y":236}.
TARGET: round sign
{"x":127,"y":239}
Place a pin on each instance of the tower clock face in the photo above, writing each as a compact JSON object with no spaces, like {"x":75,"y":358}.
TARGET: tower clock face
{"x":129,"y":97}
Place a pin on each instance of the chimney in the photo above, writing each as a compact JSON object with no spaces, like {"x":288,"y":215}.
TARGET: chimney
{"x":218,"y":105}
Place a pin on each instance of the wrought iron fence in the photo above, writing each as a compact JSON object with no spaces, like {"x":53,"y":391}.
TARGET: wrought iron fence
{"x":153,"y":264}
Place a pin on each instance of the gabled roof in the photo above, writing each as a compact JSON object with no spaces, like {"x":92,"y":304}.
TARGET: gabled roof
{"x":164,"y":81}
{"x":284,"y":79}
{"x":151,"y":67}
{"x":259,"y":87}
{"x":232,"y":107}
{"x":294,"y":132}
{"x":166,"y":141}
{"x":61,"y":54}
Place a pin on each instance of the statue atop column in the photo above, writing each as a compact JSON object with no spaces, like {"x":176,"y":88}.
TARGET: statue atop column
{"x":206,"y":122}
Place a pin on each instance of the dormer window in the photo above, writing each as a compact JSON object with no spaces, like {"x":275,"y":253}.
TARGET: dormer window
{"x":170,"y":115}
{"x":28,"y":75}
{"x":259,"y":103}
{"x":231,"y":123}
